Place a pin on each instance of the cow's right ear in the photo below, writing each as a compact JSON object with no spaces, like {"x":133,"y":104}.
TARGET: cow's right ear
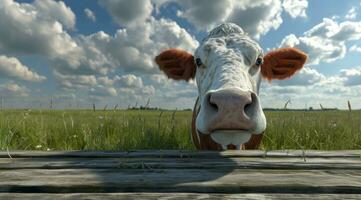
{"x":177,"y":64}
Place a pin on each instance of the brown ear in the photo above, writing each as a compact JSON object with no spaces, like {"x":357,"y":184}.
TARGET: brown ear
{"x":176,"y":64}
{"x":282,"y":63}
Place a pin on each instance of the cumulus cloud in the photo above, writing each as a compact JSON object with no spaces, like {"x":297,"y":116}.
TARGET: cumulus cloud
{"x":55,"y":10}
{"x":75,"y":81}
{"x":35,"y":28}
{"x":305,"y":77}
{"x":295,"y":8}
{"x":326,"y":41}
{"x":344,"y":31}
{"x":352,"y":13}
{"x":205,"y":13}
{"x":105,"y":80}
{"x":11,"y":67}
{"x":286,"y":90}
{"x":101,"y":91}
{"x":90,"y":14}
{"x":351,"y":76}
{"x":131,"y":81}
{"x":338,"y":87}
{"x":12,"y":89}
{"x":355,"y":48}
{"x":87,"y":64}
{"x":128,"y":13}
{"x":63,"y":97}
{"x":130,"y":49}
{"x":318,"y":48}
{"x":256,"y":17}
{"x":120,"y":67}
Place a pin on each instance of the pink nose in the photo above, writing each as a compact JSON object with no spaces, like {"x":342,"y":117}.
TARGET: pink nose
{"x":230,"y":110}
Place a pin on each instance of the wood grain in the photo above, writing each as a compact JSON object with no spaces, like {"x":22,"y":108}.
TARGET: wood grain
{"x":176,"y":196}
{"x":183,"y":174}
{"x":178,"y":153}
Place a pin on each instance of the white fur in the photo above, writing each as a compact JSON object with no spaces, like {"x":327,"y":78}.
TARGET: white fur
{"x":228,"y":55}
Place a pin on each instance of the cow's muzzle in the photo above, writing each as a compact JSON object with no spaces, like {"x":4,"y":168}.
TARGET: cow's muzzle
{"x":231,"y":116}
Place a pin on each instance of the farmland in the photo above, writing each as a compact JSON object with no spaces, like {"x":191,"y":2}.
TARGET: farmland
{"x":138,"y":129}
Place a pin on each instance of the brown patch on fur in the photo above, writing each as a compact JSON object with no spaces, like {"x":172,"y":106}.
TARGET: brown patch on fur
{"x":282,"y":63}
{"x":177,"y":64}
{"x":205,"y":142}
{"x":254,"y":142}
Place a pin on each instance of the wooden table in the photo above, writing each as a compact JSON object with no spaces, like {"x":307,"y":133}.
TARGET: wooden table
{"x":181,"y":175}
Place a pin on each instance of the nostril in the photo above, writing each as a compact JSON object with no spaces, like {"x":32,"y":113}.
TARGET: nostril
{"x":212,"y":104}
{"x":247,"y":110}
{"x":249,"y":107}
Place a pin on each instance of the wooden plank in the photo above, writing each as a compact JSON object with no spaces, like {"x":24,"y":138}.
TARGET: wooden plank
{"x":180,"y":154}
{"x":312,"y":172}
{"x":176,"y":196}
{"x":180,"y":163}
{"x":181,"y":180}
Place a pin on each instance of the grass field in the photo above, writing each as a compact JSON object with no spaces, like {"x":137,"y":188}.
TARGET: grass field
{"x":129,"y":130}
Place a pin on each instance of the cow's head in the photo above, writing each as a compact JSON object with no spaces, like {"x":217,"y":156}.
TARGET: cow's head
{"x":228,"y":67}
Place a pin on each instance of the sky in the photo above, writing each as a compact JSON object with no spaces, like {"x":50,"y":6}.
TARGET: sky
{"x":76,"y":53}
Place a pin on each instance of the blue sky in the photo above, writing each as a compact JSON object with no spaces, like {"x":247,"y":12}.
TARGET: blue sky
{"x":53,"y":49}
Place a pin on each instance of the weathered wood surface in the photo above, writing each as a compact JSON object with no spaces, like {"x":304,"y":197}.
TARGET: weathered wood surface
{"x":178,"y":196}
{"x":181,"y":174}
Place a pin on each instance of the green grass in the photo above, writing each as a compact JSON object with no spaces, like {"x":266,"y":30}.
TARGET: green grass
{"x":129,"y":130}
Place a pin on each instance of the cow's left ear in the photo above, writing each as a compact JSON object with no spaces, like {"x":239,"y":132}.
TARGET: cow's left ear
{"x":282,"y":63}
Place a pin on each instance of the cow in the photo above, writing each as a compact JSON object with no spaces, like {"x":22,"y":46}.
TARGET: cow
{"x":228,"y":67}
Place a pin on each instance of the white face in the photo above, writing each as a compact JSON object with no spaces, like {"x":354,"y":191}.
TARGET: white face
{"x":228,"y":79}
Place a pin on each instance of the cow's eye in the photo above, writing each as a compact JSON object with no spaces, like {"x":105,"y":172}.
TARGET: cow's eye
{"x":199,"y":62}
{"x":259,"y":61}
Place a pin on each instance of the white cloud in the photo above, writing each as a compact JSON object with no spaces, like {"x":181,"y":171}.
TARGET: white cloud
{"x":148,"y":90}
{"x":275,"y":89}
{"x":306,"y":76}
{"x":35,"y":28}
{"x":55,"y":10}
{"x":128,"y":13}
{"x":119,"y":68}
{"x":90,"y":14}
{"x":355,"y":48}
{"x":330,"y":91}
{"x":206,"y":13}
{"x":318,"y":48}
{"x":101,"y":91}
{"x":11,"y":67}
{"x":344,"y":31}
{"x":63,"y":97}
{"x":130,"y":49}
{"x":351,"y":76}
{"x":326,"y":41}
{"x":160,"y":79}
{"x":255,"y":17}
{"x":75,"y":81}
{"x":13,"y":89}
{"x":295,"y":8}
{"x":104,"y":80}
{"x":131,"y":81}
{"x":87,"y":64}
{"x":352,"y":13}
{"x":335,"y":17}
